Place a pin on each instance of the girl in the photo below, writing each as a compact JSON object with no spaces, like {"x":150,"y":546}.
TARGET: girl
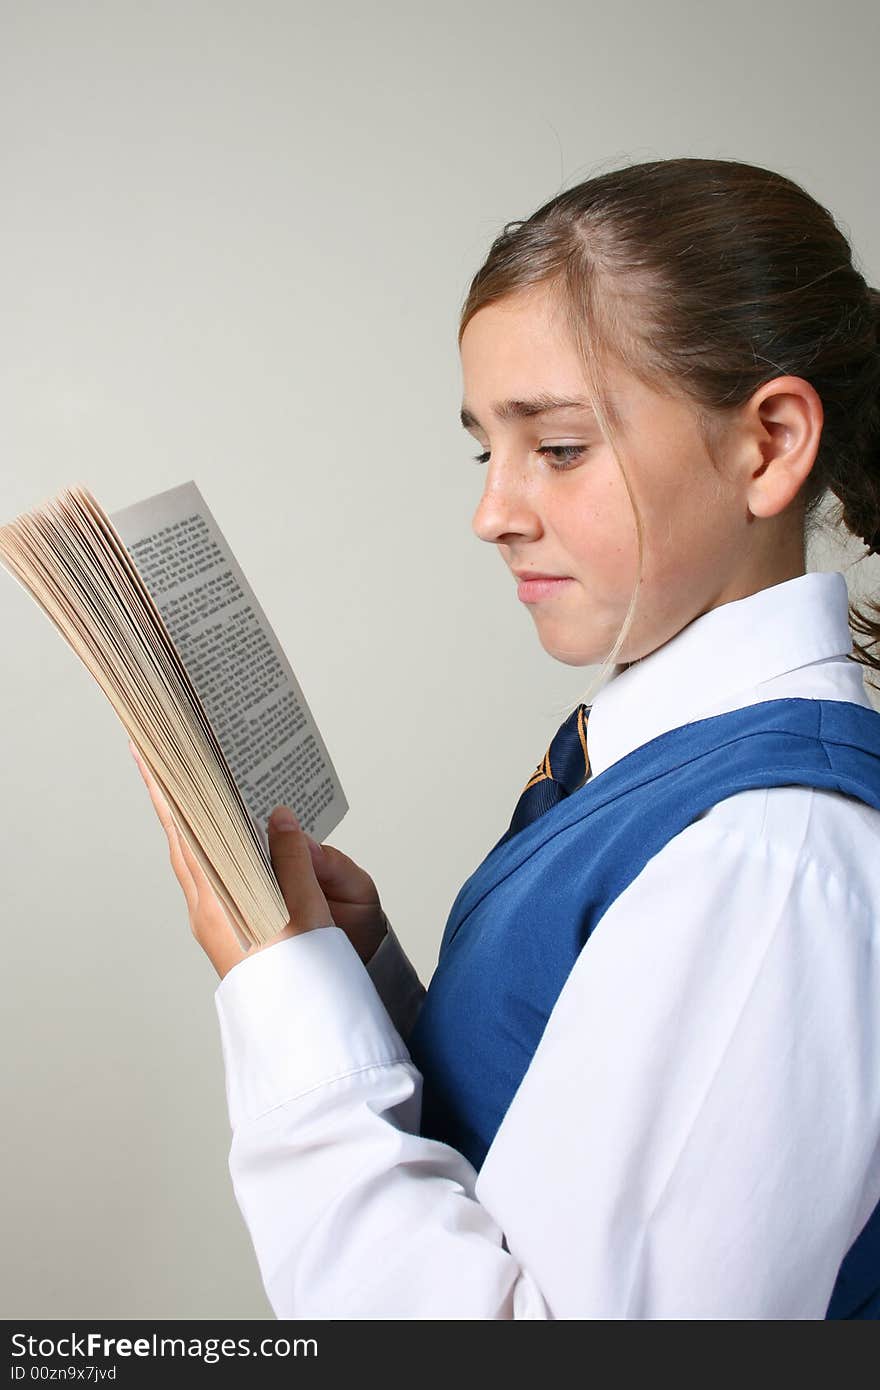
{"x":677,"y":1115}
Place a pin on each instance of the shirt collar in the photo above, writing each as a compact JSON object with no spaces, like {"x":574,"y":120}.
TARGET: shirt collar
{"x":728,"y":650}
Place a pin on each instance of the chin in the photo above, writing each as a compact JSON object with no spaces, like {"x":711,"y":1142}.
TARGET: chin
{"x":572,"y":655}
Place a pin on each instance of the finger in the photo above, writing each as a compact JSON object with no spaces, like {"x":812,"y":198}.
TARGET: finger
{"x":339,"y":876}
{"x":197,"y":873}
{"x":209,"y":919}
{"x":207,"y":916}
{"x":166,"y":818}
{"x":163,"y":810}
{"x":181,"y":869}
{"x":295,"y":872}
{"x":203,"y":885}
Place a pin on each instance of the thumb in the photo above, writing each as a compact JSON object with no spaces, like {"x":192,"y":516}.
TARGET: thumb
{"x":295,"y":873}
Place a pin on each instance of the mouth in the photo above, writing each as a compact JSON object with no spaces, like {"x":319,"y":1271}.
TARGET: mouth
{"x":539,"y":586}
{"x":537,"y":574}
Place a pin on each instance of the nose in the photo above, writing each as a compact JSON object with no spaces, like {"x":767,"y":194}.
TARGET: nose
{"x":505,"y":509}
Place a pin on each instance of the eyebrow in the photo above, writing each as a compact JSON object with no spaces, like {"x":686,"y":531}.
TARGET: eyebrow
{"x":543,"y":404}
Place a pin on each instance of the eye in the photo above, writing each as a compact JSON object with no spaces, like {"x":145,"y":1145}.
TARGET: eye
{"x":564,"y":455}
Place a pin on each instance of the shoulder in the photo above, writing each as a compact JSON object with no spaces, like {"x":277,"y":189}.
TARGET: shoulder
{"x":826,"y":841}
{"x":771,"y":901}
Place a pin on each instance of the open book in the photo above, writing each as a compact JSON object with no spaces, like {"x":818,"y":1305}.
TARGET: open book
{"x":155,"y":606}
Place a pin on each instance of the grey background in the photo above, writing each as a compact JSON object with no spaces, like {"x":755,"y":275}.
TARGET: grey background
{"x":236,"y":238}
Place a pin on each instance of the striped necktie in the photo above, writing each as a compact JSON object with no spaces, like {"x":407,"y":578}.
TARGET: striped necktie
{"x":564,"y":767}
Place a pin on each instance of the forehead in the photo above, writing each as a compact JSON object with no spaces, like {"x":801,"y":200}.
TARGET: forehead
{"x":520,"y":359}
{"x":515,"y":353}
{"x":528,"y":316}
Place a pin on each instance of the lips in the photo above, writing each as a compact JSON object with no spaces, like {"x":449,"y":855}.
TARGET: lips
{"x":535,"y":574}
{"x":536,"y":587}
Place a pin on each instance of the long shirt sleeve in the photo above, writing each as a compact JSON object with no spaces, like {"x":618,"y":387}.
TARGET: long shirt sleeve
{"x":696,"y":1135}
{"x":397,"y":982}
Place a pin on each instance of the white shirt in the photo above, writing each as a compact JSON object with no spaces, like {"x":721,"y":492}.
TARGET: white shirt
{"x":698,"y":1133}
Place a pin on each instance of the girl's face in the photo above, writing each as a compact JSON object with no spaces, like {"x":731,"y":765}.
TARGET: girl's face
{"x":555,"y":502}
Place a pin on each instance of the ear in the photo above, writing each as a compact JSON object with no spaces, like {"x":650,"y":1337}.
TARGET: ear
{"x":782,"y":428}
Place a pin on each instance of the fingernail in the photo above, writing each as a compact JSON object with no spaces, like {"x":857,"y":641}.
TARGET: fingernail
{"x":282,"y":818}
{"x":315,"y":849}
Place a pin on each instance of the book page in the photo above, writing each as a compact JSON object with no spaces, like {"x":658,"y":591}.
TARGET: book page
{"x":233,"y":658}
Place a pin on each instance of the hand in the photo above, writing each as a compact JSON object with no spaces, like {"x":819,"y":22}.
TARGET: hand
{"x":211,"y":927}
{"x":351,"y":896}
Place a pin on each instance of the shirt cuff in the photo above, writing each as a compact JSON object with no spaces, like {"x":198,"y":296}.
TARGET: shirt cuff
{"x":397,"y":982}
{"x":298,"y":1015}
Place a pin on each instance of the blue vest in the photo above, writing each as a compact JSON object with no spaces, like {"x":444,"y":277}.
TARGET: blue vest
{"x":498,"y":977}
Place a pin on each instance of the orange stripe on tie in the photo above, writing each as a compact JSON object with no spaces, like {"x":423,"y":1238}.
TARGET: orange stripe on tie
{"x":582,"y":730}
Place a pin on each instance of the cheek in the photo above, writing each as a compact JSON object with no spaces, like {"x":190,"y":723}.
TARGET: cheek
{"x":596,"y":525}
{"x":682,"y":516}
